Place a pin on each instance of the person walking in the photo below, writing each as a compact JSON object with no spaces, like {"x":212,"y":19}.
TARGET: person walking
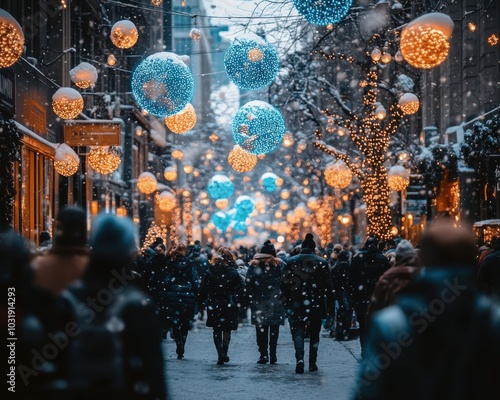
{"x":179,"y":295}
{"x":343,"y":313}
{"x":488,"y":276}
{"x":222,"y":290}
{"x":307,"y":288}
{"x":263,"y":294}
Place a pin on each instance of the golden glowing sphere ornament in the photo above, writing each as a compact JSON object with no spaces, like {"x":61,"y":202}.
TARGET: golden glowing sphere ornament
{"x":166,"y":201}
{"x":11,"y":40}
{"x":170,"y":173}
{"x":104,"y":160}
{"x":409,"y":103}
{"x":84,"y":75}
{"x":66,"y":161}
{"x":182,"y":122}
{"x":177,"y":154}
{"x":67,"y":103}
{"x":398,"y":178}
{"x":338,"y":175}
{"x":285,"y":194}
{"x":221,"y":203}
{"x":147,"y":183}
{"x":240,"y":160}
{"x":124,"y":34}
{"x":424,"y":41}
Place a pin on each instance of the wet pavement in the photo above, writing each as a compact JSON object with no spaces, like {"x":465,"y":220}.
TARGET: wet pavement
{"x":198,"y":377}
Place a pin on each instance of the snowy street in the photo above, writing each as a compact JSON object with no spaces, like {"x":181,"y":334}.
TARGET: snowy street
{"x":198,"y":377}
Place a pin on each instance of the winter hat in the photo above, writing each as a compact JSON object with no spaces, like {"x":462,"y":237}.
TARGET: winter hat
{"x":70,"y":227}
{"x":43,"y":237}
{"x":405,"y":254}
{"x":371,"y":243}
{"x":308,"y":242}
{"x":268,"y":248}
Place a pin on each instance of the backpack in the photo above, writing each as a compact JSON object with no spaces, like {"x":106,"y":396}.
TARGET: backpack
{"x":96,"y":354}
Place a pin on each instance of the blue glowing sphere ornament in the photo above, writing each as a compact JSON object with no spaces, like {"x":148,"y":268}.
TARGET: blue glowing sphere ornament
{"x":323,"y":12}
{"x":239,"y":226}
{"x":220,"y":187}
{"x":258,"y":127}
{"x":268,"y":182}
{"x":221,"y":220}
{"x":251,"y":62}
{"x":162,"y":84}
{"x":244,"y":206}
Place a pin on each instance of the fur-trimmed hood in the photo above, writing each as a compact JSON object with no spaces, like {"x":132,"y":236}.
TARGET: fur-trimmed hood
{"x":266,"y":259}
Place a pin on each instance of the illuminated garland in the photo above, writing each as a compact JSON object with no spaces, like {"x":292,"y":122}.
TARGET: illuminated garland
{"x":187,"y":217}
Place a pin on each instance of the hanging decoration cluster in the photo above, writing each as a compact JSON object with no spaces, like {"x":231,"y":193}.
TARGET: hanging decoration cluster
{"x":104,"y":160}
{"x":162,"y":84}
{"x":147,"y":183}
{"x":258,"y":127}
{"x":409,"y":103}
{"x":240,"y":160}
{"x":11,"y":40}
{"x":124,"y":34}
{"x":84,"y":75}
{"x":398,"y":178}
{"x":66,"y":161}
{"x":183,"y":121}
{"x":338,"y":175}
{"x":324,"y":12}
{"x":424,"y":41}
{"x":67,"y":103}
{"x":268,"y":181}
{"x":220,"y":187}
{"x":251,"y":63}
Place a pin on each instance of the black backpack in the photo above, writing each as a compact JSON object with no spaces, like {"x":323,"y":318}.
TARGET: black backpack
{"x":96,"y":357}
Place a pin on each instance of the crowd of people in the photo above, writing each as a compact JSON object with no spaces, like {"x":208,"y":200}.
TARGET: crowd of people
{"x":92,"y":311}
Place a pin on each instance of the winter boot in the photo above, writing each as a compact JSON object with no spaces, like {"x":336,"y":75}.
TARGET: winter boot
{"x":272,"y":352}
{"x":299,"y":368}
{"x":180,"y":350}
{"x":263,"y":359}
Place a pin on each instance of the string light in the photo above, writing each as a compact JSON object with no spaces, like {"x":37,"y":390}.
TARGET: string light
{"x":472,"y":26}
{"x":338,"y":175}
{"x":84,"y":75}
{"x":251,"y":63}
{"x":187,"y":218}
{"x":162,"y":84}
{"x":268,"y":182}
{"x":398,"y":178}
{"x":409,"y":103}
{"x":313,"y":204}
{"x":380,"y":112}
{"x":147,"y":183}
{"x":493,"y":40}
{"x":323,"y":12}
{"x":258,"y":127}
{"x":124,"y":34}
{"x":220,"y":187}
{"x":11,"y":39}
{"x":183,"y":121}
{"x":104,"y":160}
{"x":166,"y":201}
{"x":285,"y":194}
{"x":111,"y":60}
{"x":288,"y":140}
{"x":67,"y":103}
{"x":66,"y":161}
{"x":170,"y":173}
{"x":284,"y":205}
{"x":240,"y":160}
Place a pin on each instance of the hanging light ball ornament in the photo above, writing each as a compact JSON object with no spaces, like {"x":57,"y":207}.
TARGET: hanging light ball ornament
{"x":11,"y":40}
{"x":104,"y":160}
{"x":66,"y":161}
{"x":285,"y":194}
{"x":195,"y":34}
{"x":251,"y":63}
{"x":221,"y":203}
{"x":268,"y":182}
{"x":323,"y":12}
{"x":156,"y":3}
{"x":221,"y":221}
{"x":67,"y":103}
{"x":84,"y":75}
{"x":177,"y":154}
{"x":279,"y":181}
{"x":398,"y":178}
{"x":147,"y":183}
{"x":220,"y":187}
{"x":300,"y":211}
{"x":124,"y":34}
{"x":398,"y":56}
{"x":240,"y":160}
{"x":244,"y":206}
{"x":166,"y":201}
{"x":376,"y":54}
{"x":288,"y":140}
{"x":111,"y":60}
{"x":380,"y":112}
{"x":313,"y":203}
{"x":338,"y":175}
{"x":182,"y":122}
{"x":409,"y":103}
{"x":424,"y":41}
{"x":258,"y":127}
{"x":386,"y":58}
{"x":162,"y":84}
{"x":170,"y":173}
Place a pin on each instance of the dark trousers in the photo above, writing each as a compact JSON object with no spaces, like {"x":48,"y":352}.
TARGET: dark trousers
{"x":298,"y":329}
{"x":343,"y":315}
{"x":180,"y":329}
{"x":221,"y":341}
{"x":361,"y":310}
{"x":267,"y":334}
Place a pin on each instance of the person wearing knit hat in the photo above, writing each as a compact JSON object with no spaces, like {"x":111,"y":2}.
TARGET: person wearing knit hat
{"x":263,"y":293}
{"x":307,"y":289}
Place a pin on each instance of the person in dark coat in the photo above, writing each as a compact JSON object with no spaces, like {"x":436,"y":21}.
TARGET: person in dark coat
{"x":343,"y":314}
{"x":179,"y":295}
{"x":263,"y":293}
{"x":200,"y":264}
{"x":488,"y":276}
{"x":366,"y":268}
{"x":222,"y":290}
{"x":155,"y":279}
{"x":441,"y":338}
{"x":307,"y":290}
{"x":106,"y":296}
